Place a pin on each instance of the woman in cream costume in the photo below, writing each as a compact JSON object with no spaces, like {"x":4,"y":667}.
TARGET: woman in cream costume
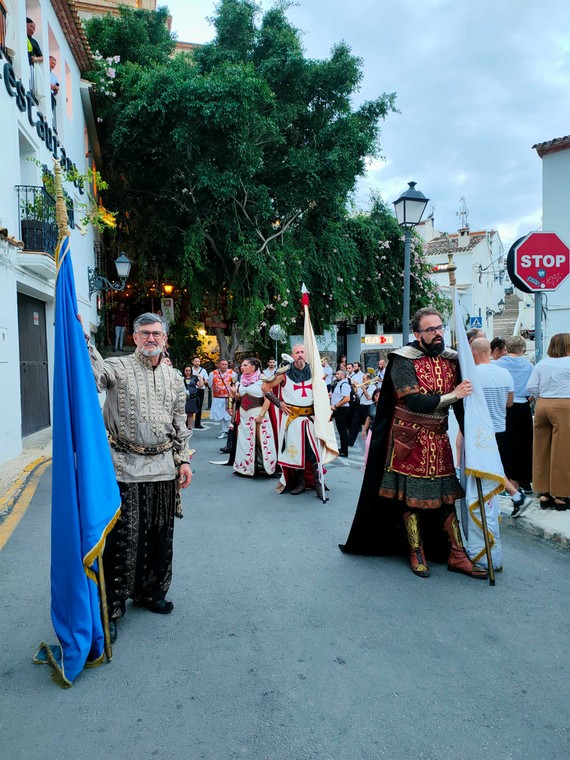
{"x":256,"y":446}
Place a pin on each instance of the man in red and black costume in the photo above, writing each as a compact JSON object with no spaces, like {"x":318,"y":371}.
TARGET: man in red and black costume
{"x":410,"y":475}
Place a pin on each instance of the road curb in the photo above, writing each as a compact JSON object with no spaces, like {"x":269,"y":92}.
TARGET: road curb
{"x":548,"y":524}
{"x":16,"y":499}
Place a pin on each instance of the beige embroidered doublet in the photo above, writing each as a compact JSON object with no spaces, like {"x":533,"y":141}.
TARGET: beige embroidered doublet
{"x":144,"y":406}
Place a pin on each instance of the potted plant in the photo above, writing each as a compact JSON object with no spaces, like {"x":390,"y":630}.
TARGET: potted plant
{"x":38,"y":220}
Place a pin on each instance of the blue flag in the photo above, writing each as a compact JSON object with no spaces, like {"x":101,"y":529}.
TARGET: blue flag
{"x":85,"y":494}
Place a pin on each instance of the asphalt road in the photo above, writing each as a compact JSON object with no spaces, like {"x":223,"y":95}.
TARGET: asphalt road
{"x":282,"y":648}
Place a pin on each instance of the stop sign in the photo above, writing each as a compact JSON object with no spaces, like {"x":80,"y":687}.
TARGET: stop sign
{"x":541,"y":261}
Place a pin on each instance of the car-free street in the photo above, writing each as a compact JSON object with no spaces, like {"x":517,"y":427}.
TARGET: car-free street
{"x":282,"y":648}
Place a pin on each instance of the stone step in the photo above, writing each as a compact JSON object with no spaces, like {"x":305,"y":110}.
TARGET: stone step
{"x":504,"y":323}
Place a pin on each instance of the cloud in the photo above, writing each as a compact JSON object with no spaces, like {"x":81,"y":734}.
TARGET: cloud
{"x":477,"y":85}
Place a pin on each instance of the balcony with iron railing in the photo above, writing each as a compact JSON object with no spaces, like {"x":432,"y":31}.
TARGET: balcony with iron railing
{"x":36,"y":212}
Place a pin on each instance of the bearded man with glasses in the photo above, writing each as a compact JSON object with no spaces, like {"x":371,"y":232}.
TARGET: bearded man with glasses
{"x":410,"y":476}
{"x":145,"y":417}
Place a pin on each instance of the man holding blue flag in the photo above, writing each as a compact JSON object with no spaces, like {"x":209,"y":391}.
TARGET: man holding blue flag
{"x":145,"y":417}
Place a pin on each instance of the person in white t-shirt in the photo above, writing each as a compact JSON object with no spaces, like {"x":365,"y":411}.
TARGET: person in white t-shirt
{"x":269,"y":371}
{"x":499,"y":390}
{"x":327,"y":372}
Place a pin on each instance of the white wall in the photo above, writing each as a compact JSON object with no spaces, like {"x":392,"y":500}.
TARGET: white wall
{"x":556,"y":218}
{"x":19,"y":138}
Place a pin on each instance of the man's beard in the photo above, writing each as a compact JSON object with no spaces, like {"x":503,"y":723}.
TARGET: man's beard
{"x":435,"y":348}
{"x":150,"y":352}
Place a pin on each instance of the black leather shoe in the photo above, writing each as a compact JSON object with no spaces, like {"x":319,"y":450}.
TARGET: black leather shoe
{"x":161,"y":607}
{"x":113,"y":630}
{"x":342,"y":454}
{"x":226,"y":450}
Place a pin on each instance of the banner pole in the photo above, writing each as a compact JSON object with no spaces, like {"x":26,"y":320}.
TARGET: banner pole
{"x":485,"y":533}
{"x":104,"y":610}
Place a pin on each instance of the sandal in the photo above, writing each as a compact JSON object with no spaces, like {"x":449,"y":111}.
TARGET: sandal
{"x":561,"y":503}
{"x":546,"y":501}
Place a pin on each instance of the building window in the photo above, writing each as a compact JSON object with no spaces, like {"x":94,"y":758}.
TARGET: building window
{"x":3,"y":16}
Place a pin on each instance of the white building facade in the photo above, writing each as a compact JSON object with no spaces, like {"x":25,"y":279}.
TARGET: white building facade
{"x":555,"y":155}
{"x":481,"y":274}
{"x":35,"y":129}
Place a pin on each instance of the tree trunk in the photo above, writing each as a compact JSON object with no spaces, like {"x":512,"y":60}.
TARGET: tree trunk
{"x":228,"y":345}
{"x":222,"y":343}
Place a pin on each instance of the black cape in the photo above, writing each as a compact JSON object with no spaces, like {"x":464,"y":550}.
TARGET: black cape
{"x":378,"y":527}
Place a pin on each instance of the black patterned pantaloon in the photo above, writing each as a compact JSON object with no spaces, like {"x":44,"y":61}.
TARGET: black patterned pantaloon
{"x":138,"y":552}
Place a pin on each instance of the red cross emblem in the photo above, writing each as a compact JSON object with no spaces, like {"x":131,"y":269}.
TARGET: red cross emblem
{"x":303,"y":388}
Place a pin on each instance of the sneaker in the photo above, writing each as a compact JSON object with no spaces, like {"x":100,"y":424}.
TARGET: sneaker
{"x":520,"y":503}
{"x":222,"y":435}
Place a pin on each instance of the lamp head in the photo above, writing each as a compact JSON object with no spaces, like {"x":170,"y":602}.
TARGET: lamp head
{"x":410,"y":206}
{"x":123,"y":266}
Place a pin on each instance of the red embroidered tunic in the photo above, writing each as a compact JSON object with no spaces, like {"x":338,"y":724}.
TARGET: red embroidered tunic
{"x":429,"y":454}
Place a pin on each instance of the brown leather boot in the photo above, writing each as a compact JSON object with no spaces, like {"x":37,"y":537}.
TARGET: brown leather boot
{"x":417,"y":558}
{"x":458,"y":561}
{"x":299,"y":485}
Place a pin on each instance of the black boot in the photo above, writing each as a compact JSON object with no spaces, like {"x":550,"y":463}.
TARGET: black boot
{"x":229,"y":442}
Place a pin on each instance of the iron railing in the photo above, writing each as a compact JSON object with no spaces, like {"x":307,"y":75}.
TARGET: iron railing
{"x":36,"y":211}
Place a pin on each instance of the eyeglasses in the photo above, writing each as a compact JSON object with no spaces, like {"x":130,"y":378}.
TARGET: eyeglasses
{"x":145,"y":335}
{"x":434,"y":330}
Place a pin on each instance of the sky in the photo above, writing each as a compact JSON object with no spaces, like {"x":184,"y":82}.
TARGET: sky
{"x":478,"y":83}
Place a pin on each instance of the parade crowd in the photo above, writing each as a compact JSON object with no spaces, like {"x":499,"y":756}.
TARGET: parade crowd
{"x":278,"y":422}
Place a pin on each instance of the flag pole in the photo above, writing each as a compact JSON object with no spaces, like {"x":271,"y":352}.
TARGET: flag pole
{"x":490,"y":567}
{"x":104,"y":610}
{"x":60,"y":207}
{"x":451,"y":268}
{"x":314,"y":369}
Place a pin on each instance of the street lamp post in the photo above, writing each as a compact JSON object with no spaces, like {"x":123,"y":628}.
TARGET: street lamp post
{"x":409,"y":208}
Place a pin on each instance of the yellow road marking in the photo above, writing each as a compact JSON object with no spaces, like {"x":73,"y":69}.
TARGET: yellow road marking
{"x":18,"y":497}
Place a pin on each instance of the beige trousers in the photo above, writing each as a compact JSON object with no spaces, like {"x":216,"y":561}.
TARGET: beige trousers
{"x":551,"y":459}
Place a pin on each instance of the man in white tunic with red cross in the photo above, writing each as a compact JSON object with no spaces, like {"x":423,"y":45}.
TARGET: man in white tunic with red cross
{"x":298,"y":453}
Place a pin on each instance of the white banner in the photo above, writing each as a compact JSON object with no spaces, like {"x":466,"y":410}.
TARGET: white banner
{"x":480,"y":459}
{"x":324,"y":428}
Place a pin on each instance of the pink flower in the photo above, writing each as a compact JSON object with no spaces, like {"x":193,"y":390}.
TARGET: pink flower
{"x":111,"y":73}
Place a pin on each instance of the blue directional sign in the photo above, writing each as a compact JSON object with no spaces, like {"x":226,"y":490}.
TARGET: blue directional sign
{"x":476,"y":322}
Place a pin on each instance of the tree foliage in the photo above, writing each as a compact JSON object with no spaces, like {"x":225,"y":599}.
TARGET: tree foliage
{"x":232,"y":169}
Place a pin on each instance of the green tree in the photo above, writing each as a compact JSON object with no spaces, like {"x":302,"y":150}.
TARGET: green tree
{"x":232,"y":170}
